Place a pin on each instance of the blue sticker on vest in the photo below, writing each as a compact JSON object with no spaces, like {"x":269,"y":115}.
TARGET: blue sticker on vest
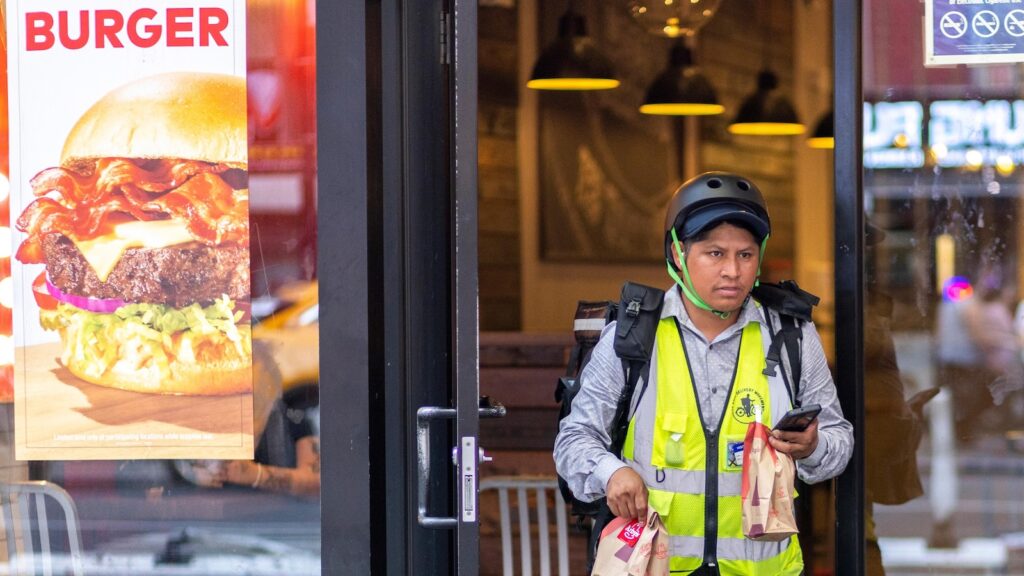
{"x":734,"y":455}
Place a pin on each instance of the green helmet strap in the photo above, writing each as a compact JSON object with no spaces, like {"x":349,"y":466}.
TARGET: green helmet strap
{"x":760,"y":259}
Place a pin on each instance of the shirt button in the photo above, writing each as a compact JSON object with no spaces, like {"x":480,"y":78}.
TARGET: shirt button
{"x":714,"y":389}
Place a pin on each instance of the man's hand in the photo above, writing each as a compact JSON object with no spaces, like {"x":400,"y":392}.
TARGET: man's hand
{"x":627,"y":495}
{"x":796,"y":444}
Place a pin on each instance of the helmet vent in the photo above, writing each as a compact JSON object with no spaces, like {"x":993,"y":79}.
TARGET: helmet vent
{"x":742,"y":185}
{"x":714,"y":183}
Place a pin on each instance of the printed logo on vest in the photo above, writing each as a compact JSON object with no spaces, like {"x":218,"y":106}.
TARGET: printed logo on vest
{"x":748,"y":403}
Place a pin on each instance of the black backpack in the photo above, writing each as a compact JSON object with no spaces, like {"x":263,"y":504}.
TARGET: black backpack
{"x":638,"y":313}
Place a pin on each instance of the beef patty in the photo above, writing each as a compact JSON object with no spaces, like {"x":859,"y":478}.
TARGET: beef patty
{"x":176,"y":275}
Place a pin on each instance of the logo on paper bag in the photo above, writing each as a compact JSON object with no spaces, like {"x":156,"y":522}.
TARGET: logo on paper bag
{"x":747,"y":403}
{"x":631,"y":532}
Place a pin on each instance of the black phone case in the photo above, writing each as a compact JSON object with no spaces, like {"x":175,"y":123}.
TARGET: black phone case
{"x":790,"y":422}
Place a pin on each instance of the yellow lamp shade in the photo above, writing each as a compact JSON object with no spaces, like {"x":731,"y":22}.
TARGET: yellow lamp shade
{"x":766,"y":112}
{"x":572,"y":62}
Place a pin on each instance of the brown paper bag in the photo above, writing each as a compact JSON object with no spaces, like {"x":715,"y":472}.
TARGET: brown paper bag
{"x":768,"y":486}
{"x":633,"y":548}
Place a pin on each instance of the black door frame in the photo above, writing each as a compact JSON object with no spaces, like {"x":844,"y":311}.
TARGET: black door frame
{"x":374,"y":124}
{"x":849,"y":277}
{"x":345,"y":284}
{"x":391,"y":198}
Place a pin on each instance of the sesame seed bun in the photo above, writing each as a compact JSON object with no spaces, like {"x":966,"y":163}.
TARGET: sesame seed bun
{"x":185,"y":115}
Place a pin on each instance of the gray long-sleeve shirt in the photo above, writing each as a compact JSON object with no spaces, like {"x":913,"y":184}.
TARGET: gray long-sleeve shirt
{"x":581,"y":447}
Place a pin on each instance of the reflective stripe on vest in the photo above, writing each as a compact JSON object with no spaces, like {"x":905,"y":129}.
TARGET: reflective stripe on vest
{"x":666,"y":444}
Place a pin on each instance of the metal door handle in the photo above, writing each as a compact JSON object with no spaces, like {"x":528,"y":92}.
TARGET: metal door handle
{"x":424,"y":416}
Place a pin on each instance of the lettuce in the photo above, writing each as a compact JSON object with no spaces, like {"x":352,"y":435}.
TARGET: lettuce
{"x":150,"y":335}
{"x":159,"y":318}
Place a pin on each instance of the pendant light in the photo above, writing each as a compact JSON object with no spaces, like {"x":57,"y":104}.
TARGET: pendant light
{"x":767,"y":112}
{"x":681,"y":89}
{"x":824,"y":136}
{"x":572,"y":62}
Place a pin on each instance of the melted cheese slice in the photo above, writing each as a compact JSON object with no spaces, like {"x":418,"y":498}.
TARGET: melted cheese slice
{"x":103,"y":253}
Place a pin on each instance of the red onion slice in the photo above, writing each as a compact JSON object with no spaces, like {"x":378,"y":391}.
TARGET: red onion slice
{"x":100,"y":305}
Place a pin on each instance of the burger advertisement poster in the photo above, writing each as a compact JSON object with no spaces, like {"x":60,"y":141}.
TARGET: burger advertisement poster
{"x":130,"y":224}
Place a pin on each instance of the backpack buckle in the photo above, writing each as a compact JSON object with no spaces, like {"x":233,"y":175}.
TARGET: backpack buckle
{"x":633,"y":308}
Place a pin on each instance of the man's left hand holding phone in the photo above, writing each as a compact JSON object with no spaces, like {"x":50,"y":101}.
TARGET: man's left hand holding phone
{"x":797,"y":443}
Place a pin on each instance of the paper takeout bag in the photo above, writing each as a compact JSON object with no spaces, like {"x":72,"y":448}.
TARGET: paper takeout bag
{"x":633,"y":548}
{"x":768,"y":488}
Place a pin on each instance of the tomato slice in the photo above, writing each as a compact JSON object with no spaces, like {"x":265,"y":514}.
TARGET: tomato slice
{"x":43,"y":298}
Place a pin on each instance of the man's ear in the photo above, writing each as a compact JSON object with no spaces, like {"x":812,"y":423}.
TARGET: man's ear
{"x":676,"y":255}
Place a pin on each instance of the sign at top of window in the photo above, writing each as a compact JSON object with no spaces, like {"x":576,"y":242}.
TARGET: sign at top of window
{"x":973,"y":31}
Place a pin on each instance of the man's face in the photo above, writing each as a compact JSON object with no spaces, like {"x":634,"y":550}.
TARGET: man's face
{"x":723,"y":266}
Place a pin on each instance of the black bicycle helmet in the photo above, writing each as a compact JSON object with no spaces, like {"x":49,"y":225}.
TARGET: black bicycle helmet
{"x":714,"y":197}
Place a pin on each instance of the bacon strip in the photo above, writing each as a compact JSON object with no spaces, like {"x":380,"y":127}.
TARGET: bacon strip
{"x":85,"y":206}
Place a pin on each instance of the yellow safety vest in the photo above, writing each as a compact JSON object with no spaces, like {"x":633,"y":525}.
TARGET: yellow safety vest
{"x":672,"y":449}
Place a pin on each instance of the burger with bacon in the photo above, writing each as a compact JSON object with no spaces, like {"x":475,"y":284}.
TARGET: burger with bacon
{"x":144,"y":232}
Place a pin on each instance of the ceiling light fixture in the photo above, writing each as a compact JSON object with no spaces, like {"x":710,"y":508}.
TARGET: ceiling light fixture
{"x":767,"y":112}
{"x":681,"y":89}
{"x":573,"y":61}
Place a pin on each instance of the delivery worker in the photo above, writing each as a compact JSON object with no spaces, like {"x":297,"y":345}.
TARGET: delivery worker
{"x":706,"y":384}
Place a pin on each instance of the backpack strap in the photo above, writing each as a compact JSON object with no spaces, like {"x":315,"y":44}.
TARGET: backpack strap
{"x":633,"y":370}
{"x":792,"y":334}
{"x":794,"y":307}
{"x":789,"y":335}
{"x":638,"y":315}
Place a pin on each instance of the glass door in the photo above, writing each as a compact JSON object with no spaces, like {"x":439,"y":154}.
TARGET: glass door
{"x":937,"y":263}
{"x":458,"y":21}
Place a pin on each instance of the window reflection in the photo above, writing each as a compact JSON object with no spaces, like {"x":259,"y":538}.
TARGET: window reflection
{"x":218,"y":517}
{"x":944,"y":377}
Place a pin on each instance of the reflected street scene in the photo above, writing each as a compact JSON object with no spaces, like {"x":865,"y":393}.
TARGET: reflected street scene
{"x":944,"y":319}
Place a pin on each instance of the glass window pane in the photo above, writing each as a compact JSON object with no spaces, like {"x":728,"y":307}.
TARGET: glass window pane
{"x":210,"y":517}
{"x":944,"y":385}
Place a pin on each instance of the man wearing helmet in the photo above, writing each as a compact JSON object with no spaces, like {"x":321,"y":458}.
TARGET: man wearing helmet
{"x":706,"y":383}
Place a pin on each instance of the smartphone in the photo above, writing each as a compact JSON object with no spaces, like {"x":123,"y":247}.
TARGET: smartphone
{"x":798,"y":419}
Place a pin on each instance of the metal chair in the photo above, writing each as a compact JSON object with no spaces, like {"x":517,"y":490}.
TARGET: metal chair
{"x":30,"y":533}
{"x":541,"y":488}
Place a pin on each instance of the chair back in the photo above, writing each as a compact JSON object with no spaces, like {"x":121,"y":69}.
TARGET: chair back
{"x":38,"y":540}
{"x":548,"y":506}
